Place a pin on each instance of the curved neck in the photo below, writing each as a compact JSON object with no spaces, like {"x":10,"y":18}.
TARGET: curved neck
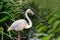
{"x":30,"y":22}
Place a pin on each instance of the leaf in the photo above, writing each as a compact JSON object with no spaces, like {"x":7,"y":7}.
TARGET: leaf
{"x":42,"y":28}
{"x":54,"y":27}
{"x":4,"y":18}
{"x":38,"y":26}
{"x":47,"y":17}
{"x":1,"y":6}
{"x":58,"y":38}
{"x":56,"y":30}
{"x":49,"y":31}
{"x":48,"y":37}
{"x":51,"y":20}
{"x":57,"y":15}
{"x":56,"y":23}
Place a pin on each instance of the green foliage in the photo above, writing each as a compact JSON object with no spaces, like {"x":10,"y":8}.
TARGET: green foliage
{"x":58,"y":38}
{"x":47,"y":20}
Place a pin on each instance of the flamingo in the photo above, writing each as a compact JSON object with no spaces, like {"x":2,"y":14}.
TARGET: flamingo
{"x":21,"y":24}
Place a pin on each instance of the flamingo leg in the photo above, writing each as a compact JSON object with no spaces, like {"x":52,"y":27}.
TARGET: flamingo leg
{"x":19,"y":35}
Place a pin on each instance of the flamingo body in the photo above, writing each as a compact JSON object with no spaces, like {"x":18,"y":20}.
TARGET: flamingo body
{"x":18,"y":25}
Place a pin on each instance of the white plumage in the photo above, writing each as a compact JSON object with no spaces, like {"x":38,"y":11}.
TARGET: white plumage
{"x":18,"y":25}
{"x":21,"y":24}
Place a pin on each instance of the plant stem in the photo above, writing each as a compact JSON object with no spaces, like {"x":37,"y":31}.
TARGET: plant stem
{"x":2,"y":35}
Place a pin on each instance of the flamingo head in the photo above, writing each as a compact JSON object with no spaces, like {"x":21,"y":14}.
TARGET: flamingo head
{"x":30,"y":11}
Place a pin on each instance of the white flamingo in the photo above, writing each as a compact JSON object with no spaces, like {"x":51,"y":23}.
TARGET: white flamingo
{"x":21,"y":24}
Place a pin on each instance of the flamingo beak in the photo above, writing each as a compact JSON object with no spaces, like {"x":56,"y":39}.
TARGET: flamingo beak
{"x":32,"y":13}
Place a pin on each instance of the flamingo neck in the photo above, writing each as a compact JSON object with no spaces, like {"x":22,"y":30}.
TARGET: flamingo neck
{"x":30,"y":22}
